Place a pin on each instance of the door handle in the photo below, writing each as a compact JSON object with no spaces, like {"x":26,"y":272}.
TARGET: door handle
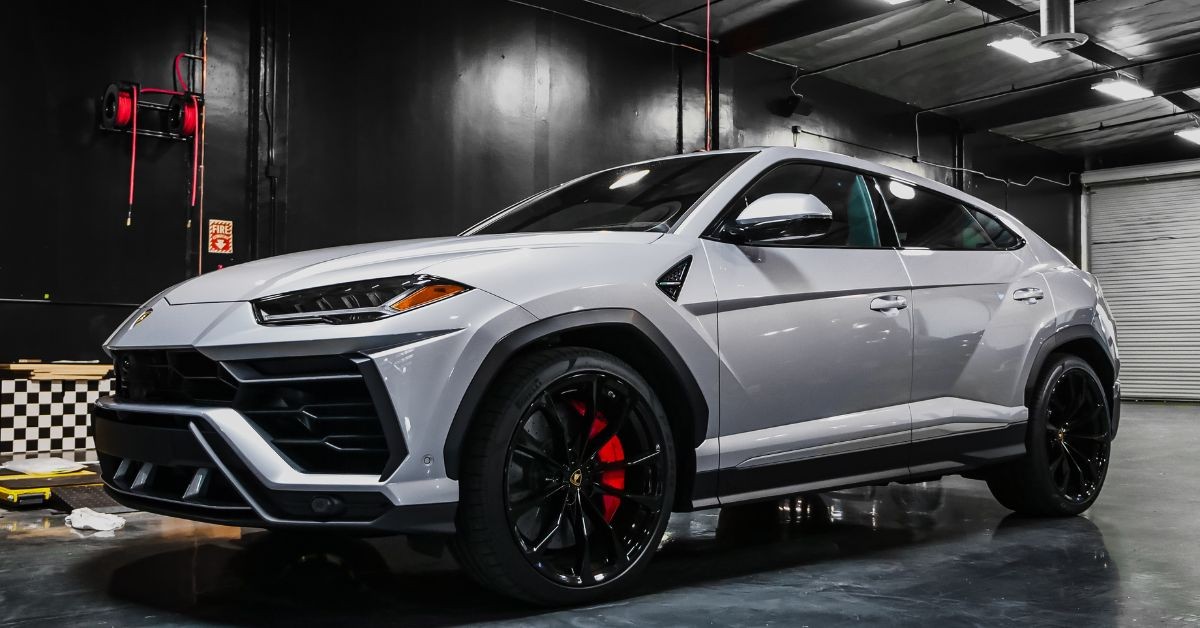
{"x":889,"y":302}
{"x":1029,"y":295}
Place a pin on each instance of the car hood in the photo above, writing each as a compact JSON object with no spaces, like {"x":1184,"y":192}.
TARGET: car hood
{"x":322,"y":267}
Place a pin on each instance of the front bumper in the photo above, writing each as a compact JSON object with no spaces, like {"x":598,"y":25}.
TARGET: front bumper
{"x":421,"y":365}
{"x":179,"y":461}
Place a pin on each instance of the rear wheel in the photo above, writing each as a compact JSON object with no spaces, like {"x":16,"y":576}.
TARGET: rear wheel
{"x":567,"y":479}
{"x":1068,"y":445}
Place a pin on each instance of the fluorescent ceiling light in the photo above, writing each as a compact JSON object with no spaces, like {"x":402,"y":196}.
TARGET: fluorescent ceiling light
{"x":629,"y":178}
{"x":1191,"y":135}
{"x":1123,"y":89}
{"x":1022,"y":48}
{"x":895,"y":1}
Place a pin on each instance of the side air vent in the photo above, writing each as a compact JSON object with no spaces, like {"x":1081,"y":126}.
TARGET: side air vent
{"x":671,"y":282}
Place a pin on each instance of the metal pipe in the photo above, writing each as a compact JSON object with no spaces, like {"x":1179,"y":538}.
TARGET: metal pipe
{"x":1058,"y":16}
{"x":200,"y":231}
{"x":150,"y":133}
{"x":796,"y":130}
{"x":1058,"y":26}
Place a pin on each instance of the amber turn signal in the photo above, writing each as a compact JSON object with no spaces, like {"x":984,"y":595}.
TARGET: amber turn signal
{"x":428,"y":294}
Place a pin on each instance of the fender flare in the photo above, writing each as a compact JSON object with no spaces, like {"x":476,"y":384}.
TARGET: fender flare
{"x":1071,"y":333}
{"x":526,"y":336}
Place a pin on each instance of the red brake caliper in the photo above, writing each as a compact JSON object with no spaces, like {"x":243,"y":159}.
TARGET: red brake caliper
{"x":610,"y":452}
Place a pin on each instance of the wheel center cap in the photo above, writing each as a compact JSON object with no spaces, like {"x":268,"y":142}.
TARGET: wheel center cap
{"x":576,"y":478}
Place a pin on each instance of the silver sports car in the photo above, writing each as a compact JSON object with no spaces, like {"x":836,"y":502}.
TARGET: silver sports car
{"x":683,"y":333}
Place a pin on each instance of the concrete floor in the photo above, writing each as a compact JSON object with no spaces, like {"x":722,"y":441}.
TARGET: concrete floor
{"x":941,"y":554}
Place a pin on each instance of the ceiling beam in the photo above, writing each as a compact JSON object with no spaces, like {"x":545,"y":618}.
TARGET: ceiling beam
{"x":618,"y":20}
{"x":1168,"y":79}
{"x":800,"y":19}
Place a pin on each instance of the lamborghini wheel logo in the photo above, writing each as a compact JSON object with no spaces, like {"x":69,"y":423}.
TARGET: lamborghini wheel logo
{"x":577,"y":478}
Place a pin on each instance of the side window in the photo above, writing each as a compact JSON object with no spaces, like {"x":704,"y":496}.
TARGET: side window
{"x":927,"y":220}
{"x":999,"y":234}
{"x":811,"y":205}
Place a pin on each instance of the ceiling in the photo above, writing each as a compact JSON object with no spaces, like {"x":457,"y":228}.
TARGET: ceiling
{"x":1064,"y":114}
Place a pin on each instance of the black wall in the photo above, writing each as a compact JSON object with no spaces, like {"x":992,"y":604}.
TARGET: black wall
{"x":367,"y":121}
{"x":482,"y":105}
{"x":70,"y":269}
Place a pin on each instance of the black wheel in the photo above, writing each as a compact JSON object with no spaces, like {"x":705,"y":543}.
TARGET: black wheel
{"x":1068,"y":445}
{"x":567,"y":480}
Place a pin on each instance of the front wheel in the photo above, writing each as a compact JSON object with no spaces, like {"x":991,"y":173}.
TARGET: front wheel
{"x":1068,"y":444}
{"x":567,"y":479}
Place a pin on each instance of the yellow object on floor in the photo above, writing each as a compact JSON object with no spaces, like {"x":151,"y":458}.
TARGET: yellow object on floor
{"x":28,"y":489}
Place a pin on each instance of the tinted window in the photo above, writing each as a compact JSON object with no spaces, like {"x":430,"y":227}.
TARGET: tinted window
{"x":927,"y":220}
{"x":848,"y":196}
{"x":1000,"y":235}
{"x":645,"y":197}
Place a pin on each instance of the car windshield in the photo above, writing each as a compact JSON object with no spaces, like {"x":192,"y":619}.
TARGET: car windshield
{"x":649,"y":196}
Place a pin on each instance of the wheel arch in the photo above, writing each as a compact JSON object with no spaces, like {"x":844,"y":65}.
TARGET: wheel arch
{"x":1086,"y":343}
{"x":629,"y":336}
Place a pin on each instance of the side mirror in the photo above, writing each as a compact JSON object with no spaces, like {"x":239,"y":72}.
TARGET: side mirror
{"x":781,"y":216}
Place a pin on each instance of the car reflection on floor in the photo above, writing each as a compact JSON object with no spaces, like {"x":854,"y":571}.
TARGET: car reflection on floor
{"x":942,"y":547}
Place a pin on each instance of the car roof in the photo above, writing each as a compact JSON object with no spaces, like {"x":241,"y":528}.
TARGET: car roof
{"x":779,"y":153}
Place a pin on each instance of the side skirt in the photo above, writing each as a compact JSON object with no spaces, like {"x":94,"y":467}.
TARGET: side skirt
{"x":949,"y":454}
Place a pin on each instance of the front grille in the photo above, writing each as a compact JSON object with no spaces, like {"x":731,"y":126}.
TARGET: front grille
{"x":317,"y":411}
{"x":172,"y":377}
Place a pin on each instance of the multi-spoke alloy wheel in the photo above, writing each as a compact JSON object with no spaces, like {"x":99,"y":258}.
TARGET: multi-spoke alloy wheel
{"x":584,"y":478}
{"x":1070,"y":436}
{"x":1077,"y":432}
{"x":568,"y":480}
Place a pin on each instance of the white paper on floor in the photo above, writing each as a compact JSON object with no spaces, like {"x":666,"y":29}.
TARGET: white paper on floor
{"x":88,"y":519}
{"x":39,"y":466}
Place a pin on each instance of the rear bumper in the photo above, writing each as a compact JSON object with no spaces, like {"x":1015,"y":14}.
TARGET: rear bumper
{"x":177,"y":460}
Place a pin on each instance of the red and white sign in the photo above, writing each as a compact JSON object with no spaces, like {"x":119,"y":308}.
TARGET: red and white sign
{"x":220,"y":236}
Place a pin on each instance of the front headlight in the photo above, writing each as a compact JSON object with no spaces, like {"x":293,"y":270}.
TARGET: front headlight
{"x":354,"y":302}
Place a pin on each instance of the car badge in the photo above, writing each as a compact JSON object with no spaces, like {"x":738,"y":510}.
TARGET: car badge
{"x":141,"y":317}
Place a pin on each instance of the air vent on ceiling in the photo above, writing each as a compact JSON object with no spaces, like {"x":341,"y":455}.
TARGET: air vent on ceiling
{"x":671,"y":282}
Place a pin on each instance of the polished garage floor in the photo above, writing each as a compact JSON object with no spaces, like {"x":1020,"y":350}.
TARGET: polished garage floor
{"x":941,"y":554}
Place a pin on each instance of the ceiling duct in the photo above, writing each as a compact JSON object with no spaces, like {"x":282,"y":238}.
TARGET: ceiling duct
{"x":1058,"y":26}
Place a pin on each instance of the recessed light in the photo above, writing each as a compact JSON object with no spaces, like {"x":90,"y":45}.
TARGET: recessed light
{"x":1191,"y":135}
{"x":1024,"y":49}
{"x":628,"y":178}
{"x":1123,"y":89}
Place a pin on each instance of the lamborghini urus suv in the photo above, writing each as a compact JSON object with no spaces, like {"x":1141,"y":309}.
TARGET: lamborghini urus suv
{"x":544,"y":390}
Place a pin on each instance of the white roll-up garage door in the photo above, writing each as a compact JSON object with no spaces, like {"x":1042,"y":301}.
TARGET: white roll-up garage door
{"x":1144,"y":246}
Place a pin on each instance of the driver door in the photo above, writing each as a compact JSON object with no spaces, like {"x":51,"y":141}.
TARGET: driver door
{"x":815,"y":335}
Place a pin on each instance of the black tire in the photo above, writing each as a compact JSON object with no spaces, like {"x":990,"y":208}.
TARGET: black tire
{"x":1068,"y":444}
{"x":512,"y":483}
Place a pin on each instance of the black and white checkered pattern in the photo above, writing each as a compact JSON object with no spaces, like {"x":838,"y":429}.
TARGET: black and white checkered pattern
{"x":40,"y":417}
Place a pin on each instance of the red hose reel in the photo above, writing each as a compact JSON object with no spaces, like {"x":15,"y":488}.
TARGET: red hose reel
{"x":183,"y":115}
{"x":179,"y":119}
